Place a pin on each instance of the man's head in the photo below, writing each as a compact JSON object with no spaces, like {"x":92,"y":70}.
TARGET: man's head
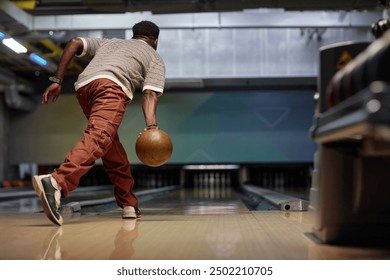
{"x":148,"y":31}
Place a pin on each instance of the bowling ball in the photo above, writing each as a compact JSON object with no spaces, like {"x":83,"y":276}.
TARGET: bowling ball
{"x":154,"y":147}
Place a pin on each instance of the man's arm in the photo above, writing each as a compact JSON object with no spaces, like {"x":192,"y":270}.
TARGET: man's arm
{"x":149,"y":107}
{"x":73,"y":47}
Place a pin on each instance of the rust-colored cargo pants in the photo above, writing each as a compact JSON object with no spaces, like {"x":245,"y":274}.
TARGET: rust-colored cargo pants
{"x":104,"y":104}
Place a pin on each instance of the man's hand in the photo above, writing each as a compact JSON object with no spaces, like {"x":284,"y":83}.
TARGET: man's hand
{"x":153,"y":126}
{"x":53,"y":89}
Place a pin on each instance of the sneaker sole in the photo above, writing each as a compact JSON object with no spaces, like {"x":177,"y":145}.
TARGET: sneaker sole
{"x":131,"y":217}
{"x":38,"y":187}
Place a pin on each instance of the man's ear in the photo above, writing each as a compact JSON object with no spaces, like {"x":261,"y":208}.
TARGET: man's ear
{"x":155,"y":43}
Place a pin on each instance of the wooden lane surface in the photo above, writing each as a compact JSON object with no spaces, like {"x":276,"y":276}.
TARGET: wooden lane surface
{"x":177,"y":226}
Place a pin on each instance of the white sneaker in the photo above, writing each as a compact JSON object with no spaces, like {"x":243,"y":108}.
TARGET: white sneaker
{"x":130,"y":212}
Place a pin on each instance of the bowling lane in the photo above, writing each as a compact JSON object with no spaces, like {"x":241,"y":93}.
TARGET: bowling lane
{"x":183,"y":224}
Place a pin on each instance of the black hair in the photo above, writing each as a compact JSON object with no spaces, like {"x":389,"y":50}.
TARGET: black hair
{"x":146,"y":28}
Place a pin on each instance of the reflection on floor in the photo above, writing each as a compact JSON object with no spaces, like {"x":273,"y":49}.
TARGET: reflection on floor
{"x":180,"y":225}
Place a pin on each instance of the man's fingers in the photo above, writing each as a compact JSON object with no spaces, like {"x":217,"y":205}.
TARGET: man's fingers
{"x":55,"y":98}
{"x":44,"y":97}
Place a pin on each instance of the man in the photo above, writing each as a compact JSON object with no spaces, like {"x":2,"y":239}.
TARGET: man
{"x":103,"y":90}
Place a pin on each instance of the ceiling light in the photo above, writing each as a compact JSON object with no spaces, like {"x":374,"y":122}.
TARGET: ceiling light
{"x":37,"y":59}
{"x":14,"y":45}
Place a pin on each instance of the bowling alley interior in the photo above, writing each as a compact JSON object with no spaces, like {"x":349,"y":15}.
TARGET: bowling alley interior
{"x":278,"y":113}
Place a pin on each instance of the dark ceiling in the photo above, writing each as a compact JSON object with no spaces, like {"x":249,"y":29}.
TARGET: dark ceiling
{"x":57,"y":7}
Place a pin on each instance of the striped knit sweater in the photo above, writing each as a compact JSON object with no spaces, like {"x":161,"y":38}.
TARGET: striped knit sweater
{"x":129,"y":63}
